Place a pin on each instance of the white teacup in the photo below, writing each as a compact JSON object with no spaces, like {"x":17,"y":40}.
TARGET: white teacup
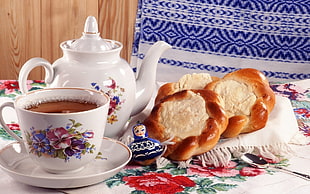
{"x":60,"y":142}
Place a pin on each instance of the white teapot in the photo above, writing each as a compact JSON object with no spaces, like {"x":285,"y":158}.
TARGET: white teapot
{"x":93,"y":62}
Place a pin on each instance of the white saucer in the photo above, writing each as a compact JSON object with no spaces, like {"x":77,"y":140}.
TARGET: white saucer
{"x":21,"y":168}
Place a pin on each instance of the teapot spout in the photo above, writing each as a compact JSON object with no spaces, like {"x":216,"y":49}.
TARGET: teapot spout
{"x":146,"y":79}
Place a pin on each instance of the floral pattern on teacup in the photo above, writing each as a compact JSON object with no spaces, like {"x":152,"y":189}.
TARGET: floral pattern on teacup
{"x":61,"y":142}
{"x":115,"y":92}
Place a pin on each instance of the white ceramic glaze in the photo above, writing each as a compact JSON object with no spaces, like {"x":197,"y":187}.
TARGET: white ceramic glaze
{"x":59,"y":142}
{"x":93,"y":62}
{"x":21,"y":168}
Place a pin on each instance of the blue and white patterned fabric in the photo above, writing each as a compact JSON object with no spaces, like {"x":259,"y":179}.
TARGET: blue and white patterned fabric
{"x":220,"y":36}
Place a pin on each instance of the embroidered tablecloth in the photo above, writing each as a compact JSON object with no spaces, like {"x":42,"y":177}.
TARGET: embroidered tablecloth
{"x":236,"y":177}
{"x":220,"y":36}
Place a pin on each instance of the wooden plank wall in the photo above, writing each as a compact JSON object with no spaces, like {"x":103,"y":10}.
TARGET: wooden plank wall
{"x":35,"y":28}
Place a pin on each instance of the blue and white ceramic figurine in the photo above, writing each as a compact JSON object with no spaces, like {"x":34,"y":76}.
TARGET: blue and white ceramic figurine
{"x":145,"y":150}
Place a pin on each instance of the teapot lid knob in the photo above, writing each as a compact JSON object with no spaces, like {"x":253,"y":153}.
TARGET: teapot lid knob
{"x":91,"y":40}
{"x":91,"y":26}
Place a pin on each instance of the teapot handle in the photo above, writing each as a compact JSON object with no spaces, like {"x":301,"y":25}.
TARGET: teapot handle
{"x":31,"y":64}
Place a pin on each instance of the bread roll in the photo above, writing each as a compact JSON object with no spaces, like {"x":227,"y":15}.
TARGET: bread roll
{"x":189,"y":81}
{"x":248,"y":100}
{"x":194,"y":118}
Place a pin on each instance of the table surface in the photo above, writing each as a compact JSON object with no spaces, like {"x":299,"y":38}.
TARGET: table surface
{"x":237,"y":177}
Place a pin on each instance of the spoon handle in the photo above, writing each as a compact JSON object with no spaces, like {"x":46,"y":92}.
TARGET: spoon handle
{"x":301,"y":175}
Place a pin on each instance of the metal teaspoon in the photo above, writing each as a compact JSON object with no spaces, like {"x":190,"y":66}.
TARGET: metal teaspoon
{"x":259,"y":162}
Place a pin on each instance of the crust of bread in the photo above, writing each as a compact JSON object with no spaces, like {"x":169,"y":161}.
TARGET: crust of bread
{"x":165,"y":90}
{"x":187,"y":144}
{"x":258,"y":87}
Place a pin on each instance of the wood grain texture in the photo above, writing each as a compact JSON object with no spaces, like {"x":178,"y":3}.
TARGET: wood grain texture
{"x":20,"y":35}
{"x":116,"y":21}
{"x":35,"y":28}
{"x":63,"y":20}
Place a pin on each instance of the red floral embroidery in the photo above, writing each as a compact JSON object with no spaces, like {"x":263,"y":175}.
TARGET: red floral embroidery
{"x":303,"y":111}
{"x":272,"y":161}
{"x":13,"y":126}
{"x":249,"y":171}
{"x":290,"y":91}
{"x":208,"y":171}
{"x":159,"y":183}
{"x":39,"y":81}
{"x":9,"y":85}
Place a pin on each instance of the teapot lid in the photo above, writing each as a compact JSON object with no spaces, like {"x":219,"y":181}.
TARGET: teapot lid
{"x":91,"y":40}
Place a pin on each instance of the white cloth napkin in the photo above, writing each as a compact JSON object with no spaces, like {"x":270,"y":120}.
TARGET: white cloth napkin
{"x":271,"y":142}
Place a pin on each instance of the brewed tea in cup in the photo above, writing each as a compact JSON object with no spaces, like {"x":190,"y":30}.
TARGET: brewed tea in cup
{"x":62,"y":128}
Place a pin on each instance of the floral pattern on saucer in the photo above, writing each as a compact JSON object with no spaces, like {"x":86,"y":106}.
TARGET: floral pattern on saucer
{"x":61,"y":142}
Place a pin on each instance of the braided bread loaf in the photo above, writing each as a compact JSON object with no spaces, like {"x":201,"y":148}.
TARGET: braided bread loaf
{"x":194,"y":118}
{"x":199,"y":109}
{"x":248,"y":100}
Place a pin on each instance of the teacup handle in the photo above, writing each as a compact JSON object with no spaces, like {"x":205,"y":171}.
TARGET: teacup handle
{"x":6,"y":128}
{"x":31,"y":64}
